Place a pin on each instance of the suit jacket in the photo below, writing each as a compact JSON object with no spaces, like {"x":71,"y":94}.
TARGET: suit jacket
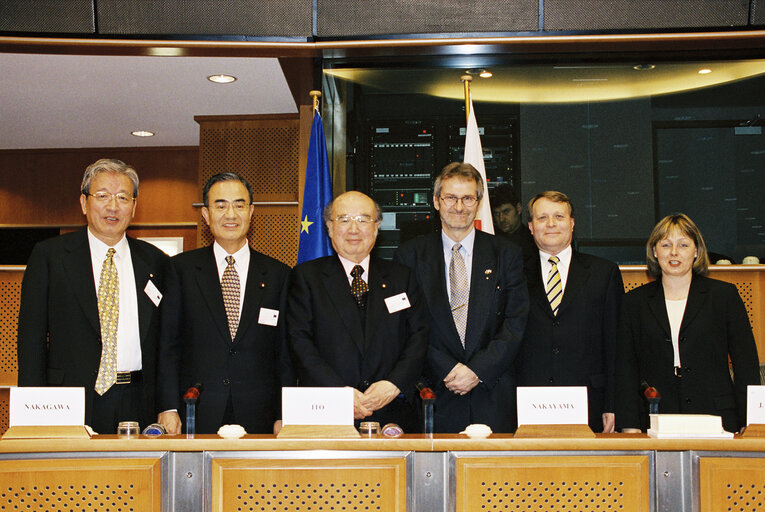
{"x":715,"y":326}
{"x":59,"y":302}
{"x":196,"y":346}
{"x":331,"y":346}
{"x":497,"y":310}
{"x":578,"y":346}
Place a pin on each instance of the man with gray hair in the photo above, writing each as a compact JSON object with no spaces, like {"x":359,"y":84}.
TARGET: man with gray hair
{"x":89,"y":306}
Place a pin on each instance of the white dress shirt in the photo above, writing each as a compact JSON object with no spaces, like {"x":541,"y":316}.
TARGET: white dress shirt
{"x":348,"y":266}
{"x":467,"y":254}
{"x":563,"y":265}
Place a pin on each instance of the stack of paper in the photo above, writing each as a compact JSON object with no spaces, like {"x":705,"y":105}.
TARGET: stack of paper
{"x":687,"y":426}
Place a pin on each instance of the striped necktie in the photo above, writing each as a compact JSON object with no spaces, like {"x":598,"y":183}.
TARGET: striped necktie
{"x":554,"y":286}
{"x":108,"y":315}
{"x":229,"y":285}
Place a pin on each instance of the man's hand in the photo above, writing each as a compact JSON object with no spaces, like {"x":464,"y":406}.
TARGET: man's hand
{"x":461,"y":380}
{"x":609,"y":420}
{"x":171,"y":421}
{"x":359,"y":410}
{"x":277,"y":427}
{"x":379,"y":394}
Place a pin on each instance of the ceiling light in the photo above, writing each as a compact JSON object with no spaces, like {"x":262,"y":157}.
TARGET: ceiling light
{"x":705,"y":71}
{"x":643,"y":67}
{"x":485,"y":74}
{"x":222,"y":79}
{"x":142,"y":133}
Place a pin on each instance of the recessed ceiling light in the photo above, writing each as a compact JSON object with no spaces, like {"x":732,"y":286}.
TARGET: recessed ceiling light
{"x":222,"y":79}
{"x":705,"y":71}
{"x":485,"y":74}
{"x":142,"y":133}
{"x":643,"y":67}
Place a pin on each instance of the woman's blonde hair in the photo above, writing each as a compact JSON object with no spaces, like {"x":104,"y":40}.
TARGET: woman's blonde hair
{"x":682,"y":223}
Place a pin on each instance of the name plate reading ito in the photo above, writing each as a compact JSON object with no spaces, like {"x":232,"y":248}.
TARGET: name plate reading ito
{"x":46,"y":406}
{"x":317,"y":406}
{"x":554,"y":405}
{"x":755,"y":405}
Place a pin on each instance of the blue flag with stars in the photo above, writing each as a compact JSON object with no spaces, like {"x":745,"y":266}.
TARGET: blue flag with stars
{"x":314,"y":241}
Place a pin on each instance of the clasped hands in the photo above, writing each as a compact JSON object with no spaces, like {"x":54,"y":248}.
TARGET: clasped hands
{"x":377,"y":396}
{"x":461,"y":379}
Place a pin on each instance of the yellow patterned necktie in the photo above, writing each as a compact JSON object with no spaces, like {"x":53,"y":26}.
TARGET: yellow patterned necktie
{"x":230,"y":287}
{"x":108,"y":315}
{"x":554,"y":285}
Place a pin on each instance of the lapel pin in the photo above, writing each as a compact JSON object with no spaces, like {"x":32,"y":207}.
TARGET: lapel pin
{"x":384,"y":285}
{"x":151,"y":275}
{"x":487,"y":272}
{"x":262,"y":285}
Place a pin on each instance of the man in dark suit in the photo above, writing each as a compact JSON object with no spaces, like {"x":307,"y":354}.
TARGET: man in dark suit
{"x":570,"y":337}
{"x":477,"y":303}
{"x":506,"y":210}
{"x":89,"y":300}
{"x":222,"y":322}
{"x":355,"y":320}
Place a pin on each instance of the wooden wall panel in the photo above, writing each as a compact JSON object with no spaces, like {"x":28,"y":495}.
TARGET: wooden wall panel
{"x":731,"y":483}
{"x":42,"y":187}
{"x":10,"y":296}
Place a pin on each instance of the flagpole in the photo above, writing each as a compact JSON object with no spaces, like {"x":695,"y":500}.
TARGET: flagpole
{"x":466,"y":79}
{"x":315,"y":95}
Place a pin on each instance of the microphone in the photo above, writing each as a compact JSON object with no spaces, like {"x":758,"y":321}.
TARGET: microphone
{"x":190,"y":397}
{"x":193,"y":392}
{"x":652,"y":395}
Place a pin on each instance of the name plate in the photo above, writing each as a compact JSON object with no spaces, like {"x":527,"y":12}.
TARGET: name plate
{"x":755,"y":405}
{"x":553,"y":405}
{"x":46,"y":406}
{"x":317,"y":406}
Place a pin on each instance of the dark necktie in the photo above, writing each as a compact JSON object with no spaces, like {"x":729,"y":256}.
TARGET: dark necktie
{"x":359,"y":287}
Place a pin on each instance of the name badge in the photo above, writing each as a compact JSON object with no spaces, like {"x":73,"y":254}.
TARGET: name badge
{"x":317,"y":406}
{"x":755,"y":404}
{"x":268,"y":317}
{"x":46,"y":406}
{"x":396,"y":303}
{"x":153,"y":293}
{"x":552,"y":405}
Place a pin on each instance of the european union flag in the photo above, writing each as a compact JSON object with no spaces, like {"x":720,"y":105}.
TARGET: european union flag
{"x":314,"y":241}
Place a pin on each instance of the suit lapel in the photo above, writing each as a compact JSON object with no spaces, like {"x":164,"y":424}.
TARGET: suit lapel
{"x":483,"y":281}
{"x":434,"y":286}
{"x":536,"y":284}
{"x":697,"y":295}
{"x":253,"y":295}
{"x":379,"y":289}
{"x":142,"y":274}
{"x":578,"y":275}
{"x":336,"y":287}
{"x":659,"y":308}
{"x":79,"y":269}
{"x":209,"y":289}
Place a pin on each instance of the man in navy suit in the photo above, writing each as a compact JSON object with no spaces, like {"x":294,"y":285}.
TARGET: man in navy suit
{"x":356,"y":320}
{"x":476,"y":302}
{"x":570,"y":337}
{"x":222,"y":322}
{"x":63,"y":336}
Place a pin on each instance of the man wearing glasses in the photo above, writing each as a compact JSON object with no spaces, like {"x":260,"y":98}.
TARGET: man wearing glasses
{"x":477,"y":304}
{"x":89,"y":306}
{"x":356,"y":320}
{"x":223,"y":323}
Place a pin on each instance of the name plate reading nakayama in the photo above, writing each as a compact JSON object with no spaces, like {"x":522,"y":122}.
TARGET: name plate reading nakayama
{"x":755,"y":405}
{"x":317,"y":406}
{"x":554,"y":405}
{"x":46,"y":406}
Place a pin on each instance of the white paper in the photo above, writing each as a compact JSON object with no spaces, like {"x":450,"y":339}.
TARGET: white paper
{"x":45,"y":406}
{"x":396,"y":303}
{"x":755,"y":405}
{"x":153,"y":293}
{"x":268,"y":316}
{"x":552,"y":405}
{"x":317,"y":406}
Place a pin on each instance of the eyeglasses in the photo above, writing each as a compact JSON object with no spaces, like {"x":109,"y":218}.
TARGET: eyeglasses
{"x":467,"y":201}
{"x":105,"y":197}
{"x":240,"y":205}
{"x":345,"y":220}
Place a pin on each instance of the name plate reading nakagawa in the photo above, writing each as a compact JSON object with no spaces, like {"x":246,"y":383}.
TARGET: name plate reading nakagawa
{"x":755,"y":405}
{"x":317,"y":406}
{"x":553,"y":405}
{"x":46,"y":406}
